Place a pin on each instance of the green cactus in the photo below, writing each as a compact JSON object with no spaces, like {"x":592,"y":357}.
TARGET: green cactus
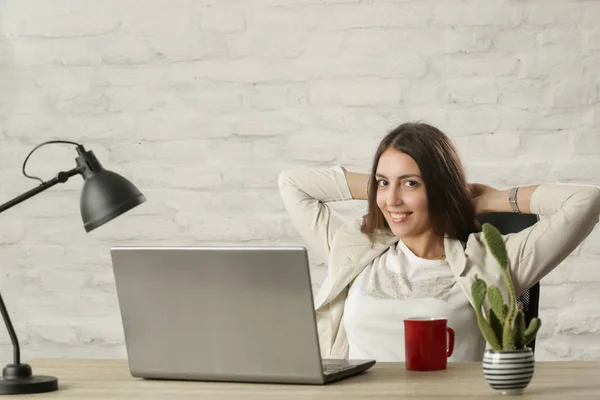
{"x":504,"y":328}
{"x":497,"y":302}
{"x":532,"y":330}
{"x":519,"y":330}
{"x":479,"y":289}
{"x":496,"y":324}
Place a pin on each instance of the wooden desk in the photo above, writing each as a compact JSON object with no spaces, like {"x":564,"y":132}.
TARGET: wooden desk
{"x":110,"y":379}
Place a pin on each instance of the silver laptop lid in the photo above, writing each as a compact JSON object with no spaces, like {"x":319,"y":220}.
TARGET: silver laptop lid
{"x":218,"y":313}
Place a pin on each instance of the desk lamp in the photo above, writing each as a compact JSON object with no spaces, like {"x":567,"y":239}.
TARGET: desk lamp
{"x":105,"y":195}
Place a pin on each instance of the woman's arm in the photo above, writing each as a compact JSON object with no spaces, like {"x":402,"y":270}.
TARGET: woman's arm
{"x":306,"y":193}
{"x":568,"y":215}
{"x":358,"y":184}
{"x":494,"y":200}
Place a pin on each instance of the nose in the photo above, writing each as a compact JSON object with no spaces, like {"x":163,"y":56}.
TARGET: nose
{"x":394,"y":197}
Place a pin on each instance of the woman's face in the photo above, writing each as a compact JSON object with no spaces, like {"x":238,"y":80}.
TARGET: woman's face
{"x":401,"y":194}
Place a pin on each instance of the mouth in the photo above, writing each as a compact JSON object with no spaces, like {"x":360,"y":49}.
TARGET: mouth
{"x":398,"y":218}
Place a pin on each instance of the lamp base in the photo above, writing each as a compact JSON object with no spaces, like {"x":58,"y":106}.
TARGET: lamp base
{"x":17,"y":379}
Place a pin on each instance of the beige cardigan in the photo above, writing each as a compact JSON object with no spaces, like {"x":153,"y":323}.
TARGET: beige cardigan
{"x":572,"y":212}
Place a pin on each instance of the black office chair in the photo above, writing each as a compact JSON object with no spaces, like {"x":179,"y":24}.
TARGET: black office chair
{"x":512,"y":223}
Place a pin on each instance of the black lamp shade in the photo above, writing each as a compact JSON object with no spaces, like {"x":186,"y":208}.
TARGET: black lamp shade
{"x":106,"y":195}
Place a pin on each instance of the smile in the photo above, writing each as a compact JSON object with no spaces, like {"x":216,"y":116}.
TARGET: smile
{"x":399,"y":217}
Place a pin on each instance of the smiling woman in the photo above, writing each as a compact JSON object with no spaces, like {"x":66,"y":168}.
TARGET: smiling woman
{"x":418,"y":249}
{"x":417,"y":170}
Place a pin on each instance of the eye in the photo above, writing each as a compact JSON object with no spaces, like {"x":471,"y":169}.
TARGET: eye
{"x":411,"y":183}
{"x":381,"y":182}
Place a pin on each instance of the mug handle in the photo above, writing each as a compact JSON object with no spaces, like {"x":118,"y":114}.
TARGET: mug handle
{"x":450,"y":349}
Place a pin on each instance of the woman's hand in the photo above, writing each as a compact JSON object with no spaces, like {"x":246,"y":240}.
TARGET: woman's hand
{"x":481,"y":196}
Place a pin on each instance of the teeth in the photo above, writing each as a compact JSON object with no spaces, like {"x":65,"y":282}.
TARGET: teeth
{"x":399,"y":216}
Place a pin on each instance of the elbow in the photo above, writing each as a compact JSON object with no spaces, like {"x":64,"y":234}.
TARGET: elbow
{"x":589,"y":201}
{"x":285,"y":179}
{"x":594,"y":198}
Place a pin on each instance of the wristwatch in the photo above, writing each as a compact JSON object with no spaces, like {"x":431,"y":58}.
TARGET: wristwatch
{"x":512,"y":199}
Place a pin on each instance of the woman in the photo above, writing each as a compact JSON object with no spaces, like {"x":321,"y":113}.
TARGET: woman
{"x":418,"y":249}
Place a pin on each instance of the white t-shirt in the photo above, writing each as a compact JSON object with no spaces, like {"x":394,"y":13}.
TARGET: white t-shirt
{"x":399,"y":285}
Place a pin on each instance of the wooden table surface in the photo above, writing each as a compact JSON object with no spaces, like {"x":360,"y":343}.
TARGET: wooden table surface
{"x":110,"y":379}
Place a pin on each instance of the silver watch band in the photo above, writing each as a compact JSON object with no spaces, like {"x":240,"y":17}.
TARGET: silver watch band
{"x":512,"y":199}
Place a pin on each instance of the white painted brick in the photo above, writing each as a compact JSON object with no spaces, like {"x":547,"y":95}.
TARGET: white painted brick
{"x":554,"y":12}
{"x":576,"y":269}
{"x":6,"y":55}
{"x":545,"y":143}
{"x":277,"y":19}
{"x":590,"y":246}
{"x":579,"y":347}
{"x":200,"y":98}
{"x":106,"y":76}
{"x":266,"y":124}
{"x":202,"y":109}
{"x":222,"y":20}
{"x":160,"y":17}
{"x":274,"y":97}
{"x":378,"y":42}
{"x":491,"y":64}
{"x":476,"y":119}
{"x":591,"y":41}
{"x":188,"y":152}
{"x":572,"y":93}
{"x":563,"y":37}
{"x":551,"y":62}
{"x":251,"y":176}
{"x":238,"y":71}
{"x":472,"y":91}
{"x":148,"y":173}
{"x":467,"y":13}
{"x":128,"y":50}
{"x":319,"y":44}
{"x":265,"y":45}
{"x":502,"y":145}
{"x":582,"y":169}
{"x":189,"y":47}
{"x":577,"y":320}
{"x":587,"y":142}
{"x":357,"y":92}
{"x":407,"y":66}
{"x":160,"y":126}
{"x":525,"y":94}
{"x":460,"y":91}
{"x":70,"y":52}
{"x":319,"y":1}
{"x":514,"y":118}
{"x":467,"y":40}
{"x":520,"y":40}
{"x":214,"y":230}
{"x":372,"y":15}
{"x":426,"y":92}
{"x":63,"y":19}
{"x":314,"y":146}
{"x":558,"y":296}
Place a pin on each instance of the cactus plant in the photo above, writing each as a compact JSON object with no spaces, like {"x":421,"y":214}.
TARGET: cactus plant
{"x":502,"y":325}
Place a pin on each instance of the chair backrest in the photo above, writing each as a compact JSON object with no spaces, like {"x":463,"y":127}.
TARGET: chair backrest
{"x":512,"y":223}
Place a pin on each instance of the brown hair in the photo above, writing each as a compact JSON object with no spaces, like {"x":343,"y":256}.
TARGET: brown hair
{"x":450,"y":206}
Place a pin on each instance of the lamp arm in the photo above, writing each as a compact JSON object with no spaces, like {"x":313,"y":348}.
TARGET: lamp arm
{"x":11,"y":332}
{"x":61,"y":177}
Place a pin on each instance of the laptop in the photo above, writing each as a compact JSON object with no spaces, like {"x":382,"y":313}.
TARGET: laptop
{"x":235,"y":314}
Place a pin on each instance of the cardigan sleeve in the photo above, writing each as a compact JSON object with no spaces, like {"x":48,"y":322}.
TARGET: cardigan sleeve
{"x":568,"y":215}
{"x":307,"y":194}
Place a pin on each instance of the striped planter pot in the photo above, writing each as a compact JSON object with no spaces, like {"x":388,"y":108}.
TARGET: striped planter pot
{"x":508,"y":372}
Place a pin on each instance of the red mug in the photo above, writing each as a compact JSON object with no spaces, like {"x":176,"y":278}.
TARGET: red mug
{"x":428,"y":342}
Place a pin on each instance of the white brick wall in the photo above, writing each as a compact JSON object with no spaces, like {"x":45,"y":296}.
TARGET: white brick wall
{"x":202,"y":103}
